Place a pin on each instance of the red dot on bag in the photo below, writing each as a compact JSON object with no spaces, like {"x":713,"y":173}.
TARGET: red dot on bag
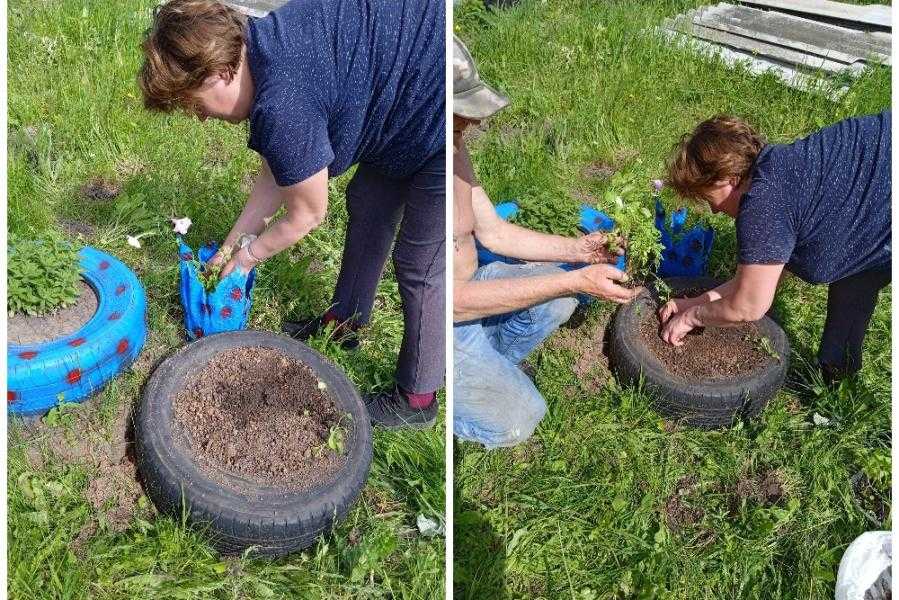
{"x":74,"y":376}
{"x":121,"y":289}
{"x":76,"y":342}
{"x":115,"y":316}
{"x":10,"y":397}
{"x":28,"y":355}
{"x":198,"y":332}
{"x":104,"y":265}
{"x":122,"y":347}
{"x":226,"y":312}
{"x":236,"y":294}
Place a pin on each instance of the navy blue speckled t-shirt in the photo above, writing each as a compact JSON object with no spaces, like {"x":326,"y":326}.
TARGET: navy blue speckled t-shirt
{"x":821,"y":205}
{"x":344,"y":81}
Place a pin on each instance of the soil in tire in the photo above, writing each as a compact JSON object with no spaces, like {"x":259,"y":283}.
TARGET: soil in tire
{"x":710,"y":353}
{"x":262,"y":416}
{"x":25,"y":329}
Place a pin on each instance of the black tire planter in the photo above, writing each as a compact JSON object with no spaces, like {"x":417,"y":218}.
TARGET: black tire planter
{"x":77,"y":365}
{"x":243,"y":515}
{"x":708,"y":404}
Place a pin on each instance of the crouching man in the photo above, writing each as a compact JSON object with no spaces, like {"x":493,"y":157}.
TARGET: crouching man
{"x":502,"y":311}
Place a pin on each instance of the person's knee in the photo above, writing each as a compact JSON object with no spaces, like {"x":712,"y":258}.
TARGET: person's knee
{"x":561,"y":309}
{"x":504,"y":424}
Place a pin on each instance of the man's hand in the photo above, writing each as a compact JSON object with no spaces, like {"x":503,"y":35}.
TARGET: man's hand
{"x":677,"y":306}
{"x":599,"y":281}
{"x":593,"y":249}
{"x":676,"y":329}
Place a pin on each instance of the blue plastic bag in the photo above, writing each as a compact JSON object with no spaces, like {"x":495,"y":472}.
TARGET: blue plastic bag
{"x":226,"y":308}
{"x":688,"y":255}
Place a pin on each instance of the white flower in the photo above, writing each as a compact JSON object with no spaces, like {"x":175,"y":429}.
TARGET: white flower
{"x":134,"y":242}
{"x":181,"y":225}
{"x":321,"y":385}
{"x":820,"y":421}
{"x":428,"y":526}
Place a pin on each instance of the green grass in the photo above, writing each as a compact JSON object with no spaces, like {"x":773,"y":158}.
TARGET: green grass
{"x":579,"y":510}
{"x":74,"y":114}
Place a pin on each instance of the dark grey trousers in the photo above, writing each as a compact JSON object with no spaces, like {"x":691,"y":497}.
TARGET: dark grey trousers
{"x":850,"y":304}
{"x":376,"y":205}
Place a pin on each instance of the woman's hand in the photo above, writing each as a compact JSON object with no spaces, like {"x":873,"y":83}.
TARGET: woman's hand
{"x":593,"y":249}
{"x":676,"y":306}
{"x":677,"y":328}
{"x":241,"y":260}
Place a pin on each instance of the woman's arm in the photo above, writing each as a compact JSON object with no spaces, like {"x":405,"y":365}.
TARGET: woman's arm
{"x":679,"y":305}
{"x":307,"y":205}
{"x":752,"y":294}
{"x":264,"y":201}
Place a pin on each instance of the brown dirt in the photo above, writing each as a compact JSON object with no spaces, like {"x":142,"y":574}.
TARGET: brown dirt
{"x":23,"y":329}
{"x":77,"y":228}
{"x":599,"y":169}
{"x":100,"y":189}
{"x":586,"y":342}
{"x":678,"y":510}
{"x":113,"y":491}
{"x":871,"y":499}
{"x":707,"y":353}
{"x":765,"y":489}
{"x":259,"y":414}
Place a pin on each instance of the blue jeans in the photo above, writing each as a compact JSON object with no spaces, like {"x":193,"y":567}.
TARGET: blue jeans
{"x":495,"y":403}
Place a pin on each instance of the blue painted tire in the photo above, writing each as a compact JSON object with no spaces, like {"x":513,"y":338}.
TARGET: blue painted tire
{"x":79,"y":364}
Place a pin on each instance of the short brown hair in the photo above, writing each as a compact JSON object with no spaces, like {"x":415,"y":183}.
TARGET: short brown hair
{"x":718,"y":149}
{"x":188,"y":41}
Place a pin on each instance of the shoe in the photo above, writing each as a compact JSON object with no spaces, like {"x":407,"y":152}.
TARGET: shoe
{"x":304,"y":329}
{"x":391,"y":409}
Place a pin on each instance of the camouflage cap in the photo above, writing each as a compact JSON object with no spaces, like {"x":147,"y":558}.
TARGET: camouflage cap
{"x":472,"y":98}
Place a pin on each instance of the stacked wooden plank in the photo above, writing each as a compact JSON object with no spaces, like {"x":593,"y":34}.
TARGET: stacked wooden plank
{"x":799,"y":40}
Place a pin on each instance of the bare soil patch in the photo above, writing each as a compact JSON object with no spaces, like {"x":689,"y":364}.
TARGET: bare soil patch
{"x":587,"y":342}
{"x":24,"y":329}
{"x":100,"y":189}
{"x":260,"y":415}
{"x":765,"y":489}
{"x":708,"y":353}
{"x":679,"y":510}
{"x":870,"y":499}
{"x":77,"y":228}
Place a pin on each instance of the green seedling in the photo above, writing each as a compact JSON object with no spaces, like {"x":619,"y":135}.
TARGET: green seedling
{"x":764,"y":345}
{"x":42,"y":275}
{"x":337,"y":439}
{"x":210,"y":274}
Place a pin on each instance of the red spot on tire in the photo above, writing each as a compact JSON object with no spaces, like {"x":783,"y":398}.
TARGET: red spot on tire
{"x":198,"y":332}
{"x":121,"y":289}
{"x":225,"y":312}
{"x":236,"y":294}
{"x":104,"y":265}
{"x":115,"y":316}
{"x":122,"y":347}
{"x":10,"y":396}
{"x":27,"y":355}
{"x":74,"y":376}
{"x":77,"y":342}
{"x":187,"y":256}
